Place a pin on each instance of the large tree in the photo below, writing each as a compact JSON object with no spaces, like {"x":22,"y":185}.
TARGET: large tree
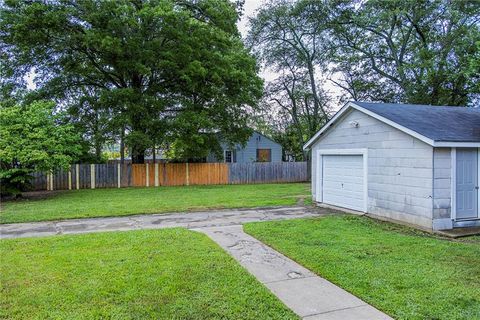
{"x":169,"y":70}
{"x":406,"y":50}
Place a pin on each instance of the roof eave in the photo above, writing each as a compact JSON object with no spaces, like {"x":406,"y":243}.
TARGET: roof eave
{"x":350,"y":105}
{"x":396,"y":125}
{"x":340,"y":112}
{"x":429,"y":141}
{"x":456,"y":144}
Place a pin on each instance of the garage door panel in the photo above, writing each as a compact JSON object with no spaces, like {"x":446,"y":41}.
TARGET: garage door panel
{"x":353,"y":198}
{"x":344,"y":172}
{"x":355,"y":204}
{"x":343,"y":181}
{"x":343,"y":192}
{"x":345,"y":165}
{"x":347,"y":188}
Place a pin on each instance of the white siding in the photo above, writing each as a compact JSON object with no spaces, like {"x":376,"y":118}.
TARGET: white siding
{"x":400,"y":167}
{"x":442,"y":183}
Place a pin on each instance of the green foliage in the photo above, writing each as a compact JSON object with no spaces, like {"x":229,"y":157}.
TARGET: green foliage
{"x":87,"y":203}
{"x":407,"y":50}
{"x":404,"y":272}
{"x":159,"y":71}
{"x":110,"y":155}
{"x":145,"y":274}
{"x":292,"y":142}
{"x":474,"y":70}
{"x":33,"y":138}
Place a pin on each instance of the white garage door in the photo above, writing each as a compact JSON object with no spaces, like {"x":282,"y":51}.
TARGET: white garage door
{"x":343,"y":181}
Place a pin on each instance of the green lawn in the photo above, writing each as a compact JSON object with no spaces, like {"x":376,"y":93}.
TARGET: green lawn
{"x":406,"y":273}
{"x":159,"y":274}
{"x":128,"y":201}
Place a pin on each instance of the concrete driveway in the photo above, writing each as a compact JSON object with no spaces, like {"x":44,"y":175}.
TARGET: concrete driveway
{"x":308,"y":295}
{"x":212,"y":218}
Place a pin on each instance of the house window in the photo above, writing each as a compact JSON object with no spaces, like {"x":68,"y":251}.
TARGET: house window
{"x":230,"y":156}
{"x":264,"y":155}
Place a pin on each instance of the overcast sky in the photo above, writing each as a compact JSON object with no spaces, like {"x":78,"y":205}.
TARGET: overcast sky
{"x":249,"y":9}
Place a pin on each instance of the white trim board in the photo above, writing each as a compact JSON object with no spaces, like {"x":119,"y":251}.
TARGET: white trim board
{"x":352,"y":105}
{"x":319,"y":172}
{"x":441,"y":144}
{"x":453,"y":186}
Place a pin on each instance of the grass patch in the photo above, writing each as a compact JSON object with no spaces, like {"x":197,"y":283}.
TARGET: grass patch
{"x":119,"y":202}
{"x":406,"y":273}
{"x":154,"y":274}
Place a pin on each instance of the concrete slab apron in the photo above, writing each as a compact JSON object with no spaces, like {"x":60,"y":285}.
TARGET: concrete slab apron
{"x":308,"y":295}
{"x":154,"y":221}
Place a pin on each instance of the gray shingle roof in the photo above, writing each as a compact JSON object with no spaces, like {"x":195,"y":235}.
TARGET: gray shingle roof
{"x":439,"y":123}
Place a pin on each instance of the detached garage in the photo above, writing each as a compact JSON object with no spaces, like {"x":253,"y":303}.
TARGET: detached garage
{"x":412,"y":163}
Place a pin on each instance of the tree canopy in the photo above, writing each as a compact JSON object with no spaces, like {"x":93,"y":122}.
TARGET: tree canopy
{"x":33,"y":138}
{"x":154,"y":71}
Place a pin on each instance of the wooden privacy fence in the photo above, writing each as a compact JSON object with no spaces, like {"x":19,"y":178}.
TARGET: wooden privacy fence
{"x":115,"y":175}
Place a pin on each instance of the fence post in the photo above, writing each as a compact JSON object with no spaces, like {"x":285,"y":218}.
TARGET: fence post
{"x":118,"y":174}
{"x":156,"y":174}
{"x":147,"y":175}
{"x":51,"y":181}
{"x":77,"y":176}
{"x":187,"y":173}
{"x":70,"y":178}
{"x":92,"y":176}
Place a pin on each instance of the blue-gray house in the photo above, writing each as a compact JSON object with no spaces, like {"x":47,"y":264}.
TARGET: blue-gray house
{"x":259,"y":148}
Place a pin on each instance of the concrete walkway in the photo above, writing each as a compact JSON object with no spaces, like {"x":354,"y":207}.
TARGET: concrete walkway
{"x":308,"y":295}
{"x":156,"y":221}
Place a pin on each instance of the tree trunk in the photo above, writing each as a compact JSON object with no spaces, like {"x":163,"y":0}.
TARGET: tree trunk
{"x":122,"y":146}
{"x":138,"y":154}
{"x":313,"y":86}
{"x":137,"y":122}
{"x":154,"y":158}
{"x":98,"y":151}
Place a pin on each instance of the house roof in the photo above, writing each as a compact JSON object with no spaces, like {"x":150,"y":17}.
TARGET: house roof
{"x":436,"y":125}
{"x":261,"y":134}
{"x":267,"y":137}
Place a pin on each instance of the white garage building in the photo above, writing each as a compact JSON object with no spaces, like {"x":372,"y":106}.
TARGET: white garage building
{"x":412,"y":163}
